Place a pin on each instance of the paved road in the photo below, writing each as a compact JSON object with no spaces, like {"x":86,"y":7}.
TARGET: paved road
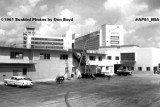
{"x":138,"y":90}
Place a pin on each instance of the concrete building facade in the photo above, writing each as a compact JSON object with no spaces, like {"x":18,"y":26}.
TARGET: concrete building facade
{"x":38,"y":64}
{"x":90,"y":41}
{"x":33,"y":40}
{"x":135,"y":57}
{"x":108,"y":35}
{"x":111,"y":35}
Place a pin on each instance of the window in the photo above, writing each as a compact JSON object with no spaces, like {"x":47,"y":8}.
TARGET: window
{"x":29,"y":33}
{"x":115,"y":37}
{"x":63,"y":56}
{"x":139,"y":68}
{"x":147,"y":68}
{"x":24,"y":42}
{"x":128,"y":56}
{"x":132,"y":68}
{"x":72,"y":45}
{"x":44,"y":56}
{"x":114,"y":42}
{"x":100,"y":58}
{"x":117,"y":57}
{"x":107,"y":68}
{"x":25,"y":38}
{"x":92,"y":58}
{"x":109,"y":57}
{"x":16,"y":55}
{"x":15,"y":72}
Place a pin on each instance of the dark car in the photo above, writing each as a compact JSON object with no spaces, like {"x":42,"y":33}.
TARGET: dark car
{"x":124,"y":72}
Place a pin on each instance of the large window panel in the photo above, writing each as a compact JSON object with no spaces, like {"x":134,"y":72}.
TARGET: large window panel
{"x":63,"y":56}
{"x":128,"y":56}
{"x":44,"y":56}
{"x":16,"y":55}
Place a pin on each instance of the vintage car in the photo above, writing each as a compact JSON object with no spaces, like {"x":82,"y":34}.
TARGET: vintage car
{"x":124,"y":72}
{"x":18,"y":81}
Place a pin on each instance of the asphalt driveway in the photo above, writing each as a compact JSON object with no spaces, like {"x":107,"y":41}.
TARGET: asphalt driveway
{"x":142,"y":89}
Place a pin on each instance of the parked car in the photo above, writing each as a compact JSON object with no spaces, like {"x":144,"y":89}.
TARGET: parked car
{"x":104,"y":72}
{"x":107,"y":73}
{"x":18,"y":81}
{"x":124,"y":72}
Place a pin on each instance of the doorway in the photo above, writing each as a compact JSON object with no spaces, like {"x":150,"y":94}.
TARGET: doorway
{"x":24,"y":73}
{"x":116,"y":67}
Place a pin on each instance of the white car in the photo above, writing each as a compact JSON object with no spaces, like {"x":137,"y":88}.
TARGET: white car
{"x":18,"y":81}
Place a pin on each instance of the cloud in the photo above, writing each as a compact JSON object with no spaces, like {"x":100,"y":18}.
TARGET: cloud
{"x":46,"y":28}
{"x":152,"y":4}
{"x":43,"y":7}
{"x":58,"y":28}
{"x":66,"y":13}
{"x":33,"y":3}
{"x":96,"y":13}
{"x":87,"y":25}
{"x":134,"y":32}
{"x":113,"y":4}
{"x":2,"y":32}
{"x":10,"y":13}
{"x":90,"y":22}
{"x":12,"y":32}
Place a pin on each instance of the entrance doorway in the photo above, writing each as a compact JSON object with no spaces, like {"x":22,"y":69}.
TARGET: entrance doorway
{"x":116,"y":67}
{"x":24,"y":73}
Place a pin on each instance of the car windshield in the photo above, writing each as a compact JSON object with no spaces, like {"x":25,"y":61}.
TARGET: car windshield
{"x":19,"y":78}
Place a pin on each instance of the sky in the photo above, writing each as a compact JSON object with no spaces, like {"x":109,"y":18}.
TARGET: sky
{"x":88,"y":16}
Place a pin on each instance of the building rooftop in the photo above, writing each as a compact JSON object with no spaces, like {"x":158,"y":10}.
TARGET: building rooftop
{"x":119,"y":46}
{"x":16,"y":46}
{"x":87,"y":35}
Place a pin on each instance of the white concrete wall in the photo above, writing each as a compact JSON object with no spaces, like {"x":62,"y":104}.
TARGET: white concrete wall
{"x":112,"y":30}
{"x":113,"y":61}
{"x":49,"y":69}
{"x":41,"y":70}
{"x":155,"y":56}
{"x":143,"y":58}
{"x":96,"y":61}
{"x":5,"y":56}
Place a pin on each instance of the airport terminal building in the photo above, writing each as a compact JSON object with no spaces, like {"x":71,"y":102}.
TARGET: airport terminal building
{"x":110,"y":39}
{"x":43,"y":58}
